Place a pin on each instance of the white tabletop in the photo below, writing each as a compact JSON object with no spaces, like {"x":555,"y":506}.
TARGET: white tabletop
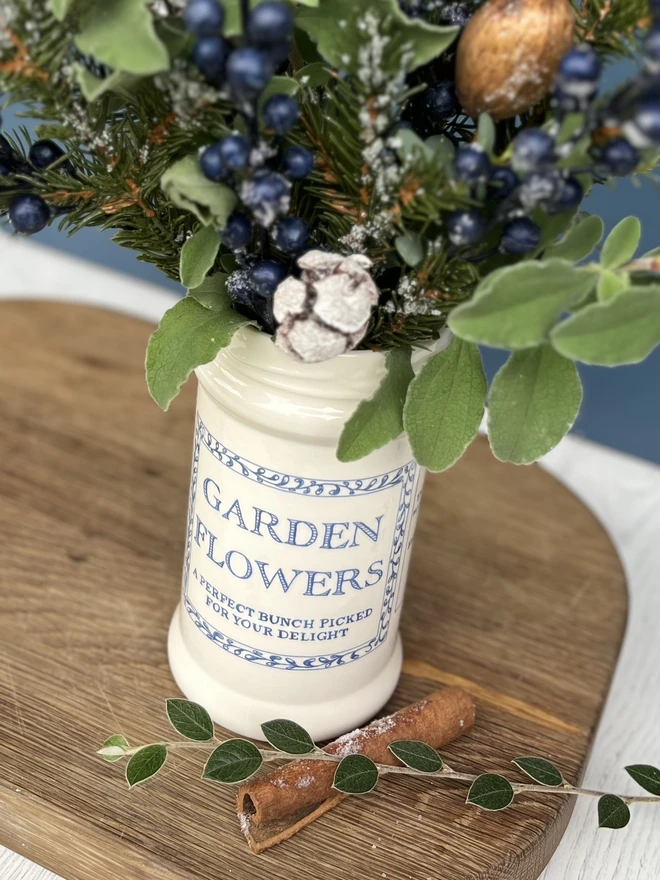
{"x":623,"y":492}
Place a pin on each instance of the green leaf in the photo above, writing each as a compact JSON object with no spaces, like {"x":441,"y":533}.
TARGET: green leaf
{"x":621,"y":244}
{"x":355,"y":774}
{"x":410,"y":247}
{"x":314,"y":75}
{"x":335,"y":26}
{"x":515,"y":307}
{"x":121,"y":34}
{"x":647,"y":776}
{"x":610,"y":284}
{"x":287,"y":736}
{"x":533,"y":402}
{"x":623,"y":330}
{"x":190,"y":720}
{"x":145,"y":764}
{"x":185,"y":185}
{"x":379,"y":419}
{"x":445,"y":405}
{"x":93,"y":87}
{"x":486,"y":132}
{"x":212,"y":292}
{"x":233,"y":761}
{"x":490,"y":792}
{"x":540,"y":771}
{"x":579,"y":241}
{"x":189,"y":334}
{"x":198,"y":256}
{"x":440,"y":149}
{"x":61,"y":8}
{"x":612,"y":812}
{"x":417,"y":755}
{"x":114,"y":748}
{"x":233,"y":26}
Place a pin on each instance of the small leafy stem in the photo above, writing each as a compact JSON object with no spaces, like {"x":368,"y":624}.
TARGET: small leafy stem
{"x":236,"y":760}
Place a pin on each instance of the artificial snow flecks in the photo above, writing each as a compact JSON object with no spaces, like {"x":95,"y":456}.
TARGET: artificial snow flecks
{"x":326,"y":311}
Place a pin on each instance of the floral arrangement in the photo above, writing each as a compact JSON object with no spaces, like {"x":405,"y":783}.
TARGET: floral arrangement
{"x":345,"y":175}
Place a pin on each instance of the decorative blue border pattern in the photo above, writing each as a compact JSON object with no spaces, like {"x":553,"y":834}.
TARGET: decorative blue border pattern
{"x":405,"y":477}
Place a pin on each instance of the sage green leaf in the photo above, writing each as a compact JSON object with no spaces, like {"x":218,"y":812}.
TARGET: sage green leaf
{"x":235,"y":760}
{"x":623,"y":330}
{"x":61,"y":8}
{"x":610,"y":284}
{"x":410,"y":247}
{"x":185,"y":185}
{"x":379,"y":419}
{"x":612,"y":812}
{"x":93,"y":87}
{"x":198,"y":256}
{"x":287,"y":736}
{"x":518,"y":307}
{"x":533,"y":402}
{"x":440,"y":149}
{"x":121,"y":34}
{"x":335,"y":27}
{"x":579,"y":241}
{"x":188,"y":335}
{"x":355,"y":774}
{"x":490,"y":792}
{"x":212,"y":292}
{"x":114,"y":748}
{"x":314,"y":75}
{"x":417,"y":755}
{"x":647,"y":776}
{"x":621,"y":244}
{"x":145,"y":764}
{"x":190,"y":720}
{"x":445,"y":405}
{"x":486,"y":132}
{"x":233,"y":25}
{"x":540,"y":771}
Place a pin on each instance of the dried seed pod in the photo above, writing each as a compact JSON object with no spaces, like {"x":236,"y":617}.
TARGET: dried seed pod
{"x":508,"y":55}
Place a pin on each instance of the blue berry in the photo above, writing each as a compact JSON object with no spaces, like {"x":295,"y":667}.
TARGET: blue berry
{"x":297,"y":162}
{"x":209,"y":55}
{"x":5,"y":170}
{"x":212,"y":163}
{"x":270,"y":23}
{"x":28,"y":213}
{"x":651,"y":49}
{"x":579,"y":71}
{"x":203,"y":17}
{"x":248,"y":73}
{"x":44,"y":153}
{"x":266,"y":276}
{"x":569,"y":198}
{"x":455,"y":15}
{"x":532,"y":149}
{"x":280,"y":113}
{"x":291,"y":235}
{"x":441,"y":101}
{"x":237,"y":234}
{"x":465,"y":228}
{"x":539,"y":189}
{"x":471,"y":164}
{"x":520,"y":236}
{"x":270,"y":187}
{"x":643,"y":130}
{"x":502,"y":183}
{"x":235,"y":152}
{"x":620,"y":157}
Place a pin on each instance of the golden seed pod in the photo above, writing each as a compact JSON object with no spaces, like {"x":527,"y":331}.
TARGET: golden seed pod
{"x":508,"y":55}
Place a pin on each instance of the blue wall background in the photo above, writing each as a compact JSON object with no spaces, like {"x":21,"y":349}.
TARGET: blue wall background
{"x":621,"y":406}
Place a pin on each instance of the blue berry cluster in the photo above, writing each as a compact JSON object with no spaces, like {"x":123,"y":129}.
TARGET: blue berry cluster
{"x":28,"y":212}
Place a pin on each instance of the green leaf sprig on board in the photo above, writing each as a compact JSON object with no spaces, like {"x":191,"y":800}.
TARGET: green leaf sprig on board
{"x":233,"y":761}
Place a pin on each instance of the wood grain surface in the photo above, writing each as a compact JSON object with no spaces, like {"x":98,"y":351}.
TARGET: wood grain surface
{"x":515,"y":592}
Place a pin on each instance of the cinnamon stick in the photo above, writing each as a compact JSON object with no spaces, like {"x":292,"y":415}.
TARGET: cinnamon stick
{"x":274,"y":807}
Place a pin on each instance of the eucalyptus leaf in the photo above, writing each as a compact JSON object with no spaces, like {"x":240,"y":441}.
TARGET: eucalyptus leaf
{"x":287,"y":736}
{"x":445,"y":404}
{"x":189,"y":334}
{"x":186,"y":186}
{"x":355,"y":774}
{"x":610,"y":284}
{"x":410,"y":247}
{"x":440,"y":149}
{"x":540,"y":771}
{"x":314,"y":75}
{"x":114,"y":748}
{"x":533,"y":402}
{"x":379,"y":419}
{"x":190,"y":720}
{"x":623,"y":330}
{"x":93,"y":87}
{"x":579,"y":241}
{"x":145,"y":764}
{"x":517,"y":308}
{"x":417,"y":755}
{"x":235,"y":760}
{"x":490,"y":792}
{"x":486,"y":132}
{"x":612,"y":812}
{"x":198,"y":256}
{"x":647,"y":776}
{"x":621,"y":244}
{"x":212,"y":292}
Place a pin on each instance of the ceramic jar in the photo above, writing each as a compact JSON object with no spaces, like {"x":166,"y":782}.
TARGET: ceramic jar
{"x":295,"y":564}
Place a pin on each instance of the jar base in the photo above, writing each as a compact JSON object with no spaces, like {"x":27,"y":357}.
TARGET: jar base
{"x":244,"y":714}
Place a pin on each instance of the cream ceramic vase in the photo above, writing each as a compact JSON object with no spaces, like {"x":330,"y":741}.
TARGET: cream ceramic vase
{"x":295,"y":565}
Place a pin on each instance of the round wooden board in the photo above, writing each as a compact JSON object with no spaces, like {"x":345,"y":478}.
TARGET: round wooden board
{"x":515,"y":593}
